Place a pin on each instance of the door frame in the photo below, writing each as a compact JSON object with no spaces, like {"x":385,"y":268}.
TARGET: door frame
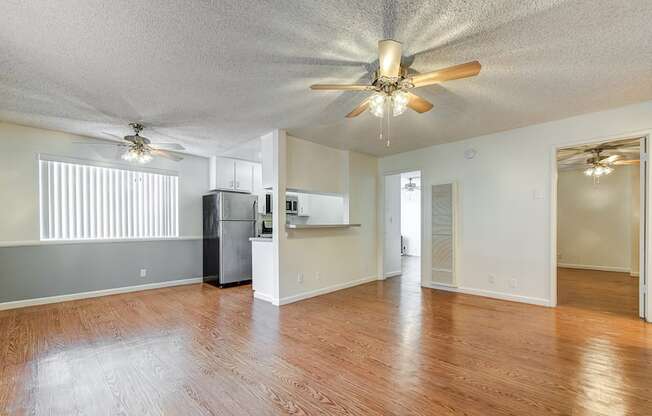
{"x":645,"y":237}
{"x":380,"y":222}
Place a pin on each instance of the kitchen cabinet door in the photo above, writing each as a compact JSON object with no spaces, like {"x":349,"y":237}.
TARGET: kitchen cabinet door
{"x":243,"y":176}
{"x":304,"y":205}
{"x":222,"y":173}
{"x":257,"y":188}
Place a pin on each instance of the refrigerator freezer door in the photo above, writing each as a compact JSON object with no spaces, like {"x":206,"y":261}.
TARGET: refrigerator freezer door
{"x":235,"y":206}
{"x":235,"y":251}
{"x":211,"y":239}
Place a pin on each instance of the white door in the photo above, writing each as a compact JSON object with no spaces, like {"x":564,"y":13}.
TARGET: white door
{"x":224,"y":171}
{"x":642,"y":279}
{"x":392,"y":251}
{"x":243,"y":176}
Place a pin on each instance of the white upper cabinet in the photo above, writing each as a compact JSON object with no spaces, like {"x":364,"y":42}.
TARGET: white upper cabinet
{"x":304,"y":205}
{"x":243,"y":176}
{"x":231,"y":174}
{"x":258,"y":187}
{"x":222,"y":173}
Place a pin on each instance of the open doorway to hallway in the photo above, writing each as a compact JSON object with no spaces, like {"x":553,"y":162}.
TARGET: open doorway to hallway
{"x":599,"y":227}
{"x":411,"y":226}
{"x":403,"y":226}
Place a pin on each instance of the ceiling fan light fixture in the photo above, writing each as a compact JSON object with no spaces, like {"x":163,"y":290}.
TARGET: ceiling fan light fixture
{"x":377,"y":105}
{"x":141,"y":156}
{"x":400,"y":101}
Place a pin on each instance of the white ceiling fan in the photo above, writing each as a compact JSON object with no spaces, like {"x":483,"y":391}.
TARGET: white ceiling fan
{"x":140,"y":149}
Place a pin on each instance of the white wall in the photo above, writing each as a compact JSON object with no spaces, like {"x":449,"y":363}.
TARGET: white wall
{"x":411,"y":214}
{"x":19,"y":178}
{"x":328,"y":259}
{"x":392,"y":229}
{"x":315,"y":168}
{"x":504,"y":198}
{"x":595,"y":220}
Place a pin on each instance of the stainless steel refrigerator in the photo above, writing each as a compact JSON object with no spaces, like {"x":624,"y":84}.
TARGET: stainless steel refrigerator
{"x":229,"y":222}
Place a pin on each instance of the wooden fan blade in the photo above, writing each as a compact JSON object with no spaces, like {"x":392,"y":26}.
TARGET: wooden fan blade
{"x":569,"y":154}
{"x":466,"y":70}
{"x":171,"y":146}
{"x":102,"y":143}
{"x":626,"y":162}
{"x":389,"y":58}
{"x":342,"y":87}
{"x":418,"y":104}
{"x":359,"y":109}
{"x":610,"y":159}
{"x":106,"y":133}
{"x":167,"y":155}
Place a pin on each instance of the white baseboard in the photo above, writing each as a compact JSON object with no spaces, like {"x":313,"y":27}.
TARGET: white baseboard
{"x":490,"y":294}
{"x":594,"y":267}
{"x":325,"y":290}
{"x":443,"y":286}
{"x":266,"y":298}
{"x":392,"y":274}
{"x":634,"y":274}
{"x":96,"y":293}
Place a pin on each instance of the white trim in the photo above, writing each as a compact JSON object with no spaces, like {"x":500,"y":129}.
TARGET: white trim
{"x":490,"y":294}
{"x":96,"y":293}
{"x":594,"y":267}
{"x":28,"y":243}
{"x":392,"y":274}
{"x":266,"y":298}
{"x":442,"y":286}
{"x":634,"y":274}
{"x":647,"y":134}
{"x":325,"y":290}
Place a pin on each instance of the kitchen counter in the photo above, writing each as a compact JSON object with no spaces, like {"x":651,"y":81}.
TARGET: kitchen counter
{"x":309,"y":226}
{"x":263,"y":239}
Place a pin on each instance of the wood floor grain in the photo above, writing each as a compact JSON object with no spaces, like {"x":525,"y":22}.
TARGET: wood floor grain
{"x":383,"y":348}
{"x":597,"y":290}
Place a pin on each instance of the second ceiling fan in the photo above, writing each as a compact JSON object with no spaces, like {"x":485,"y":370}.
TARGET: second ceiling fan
{"x":391,"y":82}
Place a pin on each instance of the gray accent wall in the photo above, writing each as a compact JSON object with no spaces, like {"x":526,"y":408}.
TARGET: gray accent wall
{"x":29,"y":269}
{"x":49,"y":270}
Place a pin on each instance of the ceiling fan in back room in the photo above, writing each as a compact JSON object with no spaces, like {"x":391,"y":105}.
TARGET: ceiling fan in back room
{"x":391,"y":83}
{"x":140,"y":149}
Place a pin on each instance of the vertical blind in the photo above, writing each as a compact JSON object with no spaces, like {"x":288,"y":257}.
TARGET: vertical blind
{"x":87,"y":202}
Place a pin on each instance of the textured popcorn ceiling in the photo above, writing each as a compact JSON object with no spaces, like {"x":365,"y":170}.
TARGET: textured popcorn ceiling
{"x":217,"y":74}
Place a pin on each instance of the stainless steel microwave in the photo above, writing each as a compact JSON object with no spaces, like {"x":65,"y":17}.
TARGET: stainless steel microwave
{"x":291,"y":205}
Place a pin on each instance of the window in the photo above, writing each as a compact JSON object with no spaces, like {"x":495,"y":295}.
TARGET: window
{"x":84,"y":201}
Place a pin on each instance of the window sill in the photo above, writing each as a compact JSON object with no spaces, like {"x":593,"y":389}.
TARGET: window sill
{"x":29,"y":243}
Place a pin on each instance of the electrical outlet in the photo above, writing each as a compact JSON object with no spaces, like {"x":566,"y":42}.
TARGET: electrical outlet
{"x":317,"y":276}
{"x":143,"y":272}
{"x":492,"y":279}
{"x":300,"y":277}
{"x":512,"y":283}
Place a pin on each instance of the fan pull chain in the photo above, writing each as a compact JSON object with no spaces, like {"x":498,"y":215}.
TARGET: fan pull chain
{"x":388,"y":130}
{"x":388,"y":109}
{"x":380,"y":137}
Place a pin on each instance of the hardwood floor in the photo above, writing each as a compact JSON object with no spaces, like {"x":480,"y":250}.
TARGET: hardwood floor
{"x":383,"y":348}
{"x":616,"y":293}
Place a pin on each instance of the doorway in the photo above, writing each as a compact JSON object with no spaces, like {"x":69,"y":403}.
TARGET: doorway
{"x":402,"y":227}
{"x":600,"y":232}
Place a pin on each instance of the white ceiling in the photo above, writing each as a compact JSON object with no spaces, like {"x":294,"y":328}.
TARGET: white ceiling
{"x":216,"y":74}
